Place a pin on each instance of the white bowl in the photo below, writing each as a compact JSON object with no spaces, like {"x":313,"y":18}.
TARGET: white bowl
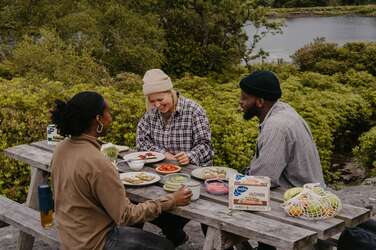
{"x":136,"y":164}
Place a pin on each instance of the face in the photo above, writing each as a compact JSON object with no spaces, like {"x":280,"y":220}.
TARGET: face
{"x":250,"y":105}
{"x":162,"y":101}
{"x":106,"y":118}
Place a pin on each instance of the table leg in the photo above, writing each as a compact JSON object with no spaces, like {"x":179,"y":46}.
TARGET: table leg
{"x":219,"y":240}
{"x":26,"y":241}
{"x":210,"y":238}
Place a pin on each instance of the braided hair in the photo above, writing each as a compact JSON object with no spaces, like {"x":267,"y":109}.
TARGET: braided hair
{"x":74,"y":117}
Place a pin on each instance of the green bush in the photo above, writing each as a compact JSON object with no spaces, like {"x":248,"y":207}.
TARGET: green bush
{"x":328,"y":103}
{"x":327,"y":58}
{"x":366,"y":151}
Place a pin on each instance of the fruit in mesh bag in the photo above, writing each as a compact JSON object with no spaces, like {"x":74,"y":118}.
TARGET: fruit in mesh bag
{"x":314,"y":209}
{"x":295,"y":210}
{"x":319,"y":190}
{"x":292,"y":192}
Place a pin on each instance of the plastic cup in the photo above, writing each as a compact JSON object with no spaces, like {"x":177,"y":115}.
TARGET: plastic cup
{"x":195,"y":188}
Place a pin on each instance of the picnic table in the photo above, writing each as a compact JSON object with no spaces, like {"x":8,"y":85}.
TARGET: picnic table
{"x":225,"y":227}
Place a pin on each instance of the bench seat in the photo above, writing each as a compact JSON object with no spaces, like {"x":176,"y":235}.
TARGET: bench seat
{"x":27,"y":220}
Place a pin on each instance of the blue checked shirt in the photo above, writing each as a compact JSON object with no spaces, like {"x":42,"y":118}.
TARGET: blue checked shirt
{"x":187,"y":131}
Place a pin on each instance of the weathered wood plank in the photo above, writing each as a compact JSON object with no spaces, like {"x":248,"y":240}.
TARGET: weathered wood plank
{"x":44,"y":145}
{"x":27,"y":220}
{"x":33,"y":156}
{"x":247,"y":225}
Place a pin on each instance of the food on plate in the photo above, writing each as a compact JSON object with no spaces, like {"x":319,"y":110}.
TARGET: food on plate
{"x":147,"y":156}
{"x":138,"y":178}
{"x":175,"y":181}
{"x":212,"y":173}
{"x":145,"y":177}
{"x":132,"y":180}
{"x":167,"y":168}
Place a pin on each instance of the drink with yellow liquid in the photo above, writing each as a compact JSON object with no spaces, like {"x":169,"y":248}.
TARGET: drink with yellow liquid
{"x":45,"y":206}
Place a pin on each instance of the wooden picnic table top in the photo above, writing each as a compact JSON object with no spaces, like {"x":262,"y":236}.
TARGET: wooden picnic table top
{"x":274,"y":227}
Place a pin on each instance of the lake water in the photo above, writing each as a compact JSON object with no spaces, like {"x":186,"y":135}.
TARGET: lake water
{"x":301,"y":31}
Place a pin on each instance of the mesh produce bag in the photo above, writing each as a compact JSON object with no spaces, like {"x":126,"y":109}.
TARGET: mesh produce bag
{"x":311,"y":202}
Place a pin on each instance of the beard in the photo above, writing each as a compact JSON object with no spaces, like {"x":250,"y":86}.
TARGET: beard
{"x":250,"y":113}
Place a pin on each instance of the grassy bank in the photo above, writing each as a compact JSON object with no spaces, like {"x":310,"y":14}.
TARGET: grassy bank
{"x":361,"y":10}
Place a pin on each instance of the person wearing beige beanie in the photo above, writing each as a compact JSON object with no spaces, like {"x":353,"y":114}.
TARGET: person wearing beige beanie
{"x":173,"y":125}
{"x":177,"y":127}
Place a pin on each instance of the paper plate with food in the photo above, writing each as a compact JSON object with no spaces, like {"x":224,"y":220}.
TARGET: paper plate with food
{"x":205,"y":173}
{"x":139,"y":178}
{"x":148,"y":156}
{"x":167,"y":168}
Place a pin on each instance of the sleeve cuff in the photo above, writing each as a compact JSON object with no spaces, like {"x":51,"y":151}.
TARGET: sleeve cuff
{"x":167,"y":202}
{"x":192,"y":159}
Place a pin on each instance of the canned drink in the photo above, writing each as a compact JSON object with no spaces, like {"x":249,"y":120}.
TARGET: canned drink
{"x":51,"y":133}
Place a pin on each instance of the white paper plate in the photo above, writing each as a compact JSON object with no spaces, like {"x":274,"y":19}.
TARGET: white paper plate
{"x":134,"y":174}
{"x":136,"y":155}
{"x":199,"y":172}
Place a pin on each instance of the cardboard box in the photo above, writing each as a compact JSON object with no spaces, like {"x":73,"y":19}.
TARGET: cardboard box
{"x":249,"y":193}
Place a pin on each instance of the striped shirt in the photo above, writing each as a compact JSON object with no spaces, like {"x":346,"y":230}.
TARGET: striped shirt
{"x":186,"y":131}
{"x":285,"y":150}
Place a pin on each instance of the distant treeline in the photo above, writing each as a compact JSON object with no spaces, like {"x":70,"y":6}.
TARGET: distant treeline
{"x":190,"y":36}
{"x":312,"y":3}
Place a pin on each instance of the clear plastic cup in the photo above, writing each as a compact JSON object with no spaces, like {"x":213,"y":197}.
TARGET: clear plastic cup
{"x":195,"y":188}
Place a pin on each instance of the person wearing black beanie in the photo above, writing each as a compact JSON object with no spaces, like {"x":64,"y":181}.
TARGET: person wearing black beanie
{"x":285,"y":149}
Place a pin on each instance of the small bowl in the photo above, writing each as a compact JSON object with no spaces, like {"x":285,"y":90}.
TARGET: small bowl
{"x":136,"y":164}
{"x":216,"y":186}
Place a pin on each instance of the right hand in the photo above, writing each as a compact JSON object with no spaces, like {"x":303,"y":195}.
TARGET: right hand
{"x":182,"y":196}
{"x":169,"y":156}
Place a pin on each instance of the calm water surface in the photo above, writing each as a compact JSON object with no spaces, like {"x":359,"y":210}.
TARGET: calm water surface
{"x":301,"y":31}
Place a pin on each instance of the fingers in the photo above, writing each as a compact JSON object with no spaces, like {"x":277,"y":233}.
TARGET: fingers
{"x":182,"y":158}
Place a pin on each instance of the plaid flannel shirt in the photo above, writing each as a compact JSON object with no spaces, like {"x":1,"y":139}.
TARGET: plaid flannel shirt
{"x":187,"y":131}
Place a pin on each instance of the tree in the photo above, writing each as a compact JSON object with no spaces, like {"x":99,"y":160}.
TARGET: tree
{"x":208,"y":36}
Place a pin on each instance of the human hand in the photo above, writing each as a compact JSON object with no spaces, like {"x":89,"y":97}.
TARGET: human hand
{"x":182,"y":158}
{"x":182,"y":196}
{"x":169,"y":156}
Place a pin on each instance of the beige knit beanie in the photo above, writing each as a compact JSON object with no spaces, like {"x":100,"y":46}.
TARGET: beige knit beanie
{"x":155,"y":81}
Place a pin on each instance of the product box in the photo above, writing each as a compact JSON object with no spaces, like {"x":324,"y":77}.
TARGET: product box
{"x":249,"y":193}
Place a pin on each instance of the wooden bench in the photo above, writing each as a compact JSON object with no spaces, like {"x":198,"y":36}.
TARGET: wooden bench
{"x":26,"y":220}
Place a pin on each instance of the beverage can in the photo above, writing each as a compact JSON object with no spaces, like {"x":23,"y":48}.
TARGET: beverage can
{"x":51,"y":133}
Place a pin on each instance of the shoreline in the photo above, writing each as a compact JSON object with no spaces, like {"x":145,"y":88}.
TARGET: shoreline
{"x":361,"y":10}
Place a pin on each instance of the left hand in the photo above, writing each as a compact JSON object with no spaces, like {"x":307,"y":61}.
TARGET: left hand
{"x":182,"y":158}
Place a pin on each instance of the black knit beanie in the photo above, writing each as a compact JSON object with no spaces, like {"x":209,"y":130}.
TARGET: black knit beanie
{"x":264,"y":84}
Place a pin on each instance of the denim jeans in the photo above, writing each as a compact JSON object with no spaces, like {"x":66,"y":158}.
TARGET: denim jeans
{"x":133,"y":238}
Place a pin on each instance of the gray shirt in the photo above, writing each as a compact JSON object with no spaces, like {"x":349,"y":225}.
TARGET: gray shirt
{"x":285,"y":149}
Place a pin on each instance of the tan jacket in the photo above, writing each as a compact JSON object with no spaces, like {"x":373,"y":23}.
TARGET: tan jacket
{"x":89,"y":196}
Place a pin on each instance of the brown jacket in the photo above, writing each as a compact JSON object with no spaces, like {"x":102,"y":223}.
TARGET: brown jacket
{"x":89,"y":196}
